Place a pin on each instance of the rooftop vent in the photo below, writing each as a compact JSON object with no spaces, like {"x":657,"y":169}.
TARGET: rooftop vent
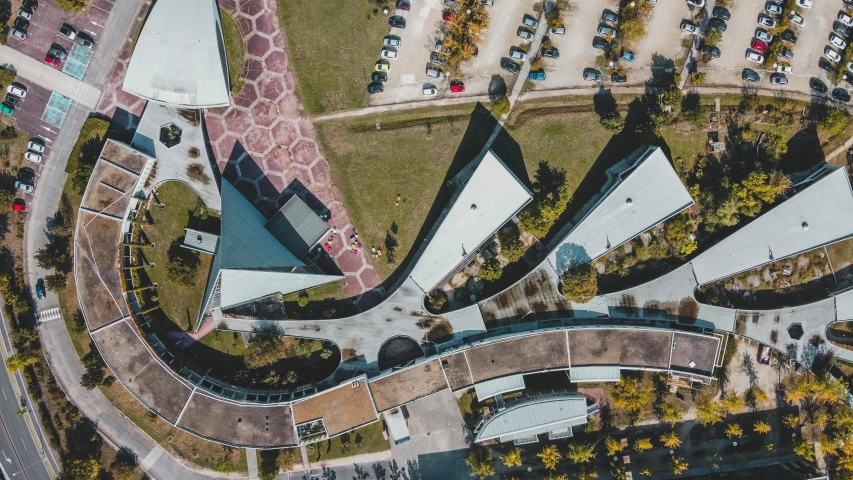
{"x":692,"y":364}
{"x":805,"y":226}
{"x":629,"y":201}
{"x":355,"y":384}
{"x":473,"y":206}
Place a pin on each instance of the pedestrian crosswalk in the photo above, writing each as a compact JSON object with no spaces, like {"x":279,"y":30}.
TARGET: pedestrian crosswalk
{"x":47,"y":315}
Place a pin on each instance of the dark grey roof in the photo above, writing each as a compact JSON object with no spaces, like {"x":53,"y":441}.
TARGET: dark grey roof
{"x":297,"y":227}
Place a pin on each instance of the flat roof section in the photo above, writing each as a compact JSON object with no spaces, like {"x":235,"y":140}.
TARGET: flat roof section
{"x":701,"y":350}
{"x":627,"y":347}
{"x":95,"y":300}
{"x":141,"y":372}
{"x":408,"y":385}
{"x":122,"y":155}
{"x":179,"y":58}
{"x":844,"y":305}
{"x":499,"y":386}
{"x":820,"y":214}
{"x":595,"y":373}
{"x":456,"y":368}
{"x":647,"y":194}
{"x":297,"y":227}
{"x":342,"y":408}
{"x":235,"y":424}
{"x":535,"y":416}
{"x":531,"y":353}
{"x":537,"y":292}
{"x":490,"y":197}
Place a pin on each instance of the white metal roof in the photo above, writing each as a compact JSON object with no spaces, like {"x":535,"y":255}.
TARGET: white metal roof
{"x":595,"y":373}
{"x":201,"y":241}
{"x":490,"y":198}
{"x":397,"y":426}
{"x":534,"y":416}
{"x":490,"y":388}
{"x":844,"y":306}
{"x":819,"y":215}
{"x":644,"y":196}
{"x":179,"y":57}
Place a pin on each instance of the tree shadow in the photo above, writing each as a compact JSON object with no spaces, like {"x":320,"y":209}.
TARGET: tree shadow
{"x":604,"y":103}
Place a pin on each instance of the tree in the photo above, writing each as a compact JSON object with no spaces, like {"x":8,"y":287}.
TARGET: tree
{"x":670,"y":414}
{"x":490,"y":270}
{"x":181,"y":271}
{"x":54,"y":255}
{"x":56,"y":282}
{"x":643,"y":444}
{"x":618,"y":471}
{"x":580,"y":284}
{"x":732,"y":402}
{"x":805,"y":450}
{"x":124,"y":465}
{"x":733,"y":430}
{"x":547,"y":206}
{"x":713,"y":37}
{"x":792,"y":421}
{"x":670,"y":440}
{"x":550,"y":456}
{"x":20,"y":361}
{"x":709,"y":412}
{"x":557,"y":476}
{"x":756,"y":397}
{"x":679,"y":465}
{"x":263,"y":350}
{"x":80,"y":469}
{"x":613,"y":446}
{"x":480,"y":461}
{"x":580,"y":452}
{"x":586,"y":474}
{"x":823,"y":390}
{"x":833,"y":121}
{"x":501,"y":106}
{"x":512,"y":248}
{"x":761,"y":427}
{"x":513,"y":458}
{"x":631,"y":395}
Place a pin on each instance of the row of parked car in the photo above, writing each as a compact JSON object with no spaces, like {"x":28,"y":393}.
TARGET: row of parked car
{"x":527,"y":31}
{"x":26,"y":177}
{"x":607,"y":29}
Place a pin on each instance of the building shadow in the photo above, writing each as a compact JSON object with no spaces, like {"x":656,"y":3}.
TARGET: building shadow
{"x":249,"y":178}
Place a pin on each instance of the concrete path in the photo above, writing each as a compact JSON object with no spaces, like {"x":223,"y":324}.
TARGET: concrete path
{"x":50,"y":78}
{"x":252,"y":462}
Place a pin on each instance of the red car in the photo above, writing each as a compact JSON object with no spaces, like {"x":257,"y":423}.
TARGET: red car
{"x":52,"y":61}
{"x":19,"y":205}
{"x":447,"y":16}
{"x":759,"y":46}
{"x":457,"y":87}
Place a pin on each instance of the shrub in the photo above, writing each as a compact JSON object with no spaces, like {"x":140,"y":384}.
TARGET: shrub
{"x":712,"y":37}
{"x":7,"y":76}
{"x":480,"y":461}
{"x":512,"y":248}
{"x":699,"y":78}
{"x":491,"y":270}
{"x":55,"y":282}
{"x":580,"y":452}
{"x":9,"y":133}
{"x":762,"y":427}
{"x":580,"y":284}
{"x":513,"y":458}
{"x":302,"y":299}
{"x":501,"y":106}
{"x":437,"y":299}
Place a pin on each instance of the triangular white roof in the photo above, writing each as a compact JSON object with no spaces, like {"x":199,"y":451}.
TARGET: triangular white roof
{"x":645,"y":195}
{"x":180,"y":57}
{"x":490,"y":197}
{"x":240,"y":286}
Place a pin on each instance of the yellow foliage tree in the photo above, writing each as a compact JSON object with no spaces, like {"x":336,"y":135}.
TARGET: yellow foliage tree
{"x":643,"y":444}
{"x":679,"y":465}
{"x":762,"y":427}
{"x":805,"y":450}
{"x":613,"y":446}
{"x":630,"y":394}
{"x":709,"y":412}
{"x":580,"y":452}
{"x":670,"y":440}
{"x":513,"y":458}
{"x":792,"y":421}
{"x":550,"y":456}
{"x":670,"y":414}
{"x":734,"y":430}
{"x":732,"y":402}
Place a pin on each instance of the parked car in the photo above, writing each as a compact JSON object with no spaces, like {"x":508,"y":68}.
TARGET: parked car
{"x":430,"y":90}
{"x":796,"y":19}
{"x":718,"y":23}
{"x":40,"y":289}
{"x":591,"y":75}
{"x":610,"y":17}
{"x":778,"y":79}
{"x":773,"y":8}
{"x":516,"y":53}
{"x":447,"y":16}
{"x":378,"y":77}
{"x":762,"y":35}
{"x":606,"y":31}
{"x":628,"y":56}
{"x":457,"y":87}
{"x":689,"y":27}
{"x":57,"y":51}
{"x":24,"y":186}
{"x":524,"y":33}
{"x":754,"y":57}
{"x":786,"y":53}
{"x":403,"y":5}
{"x":382,"y":66}
{"x":12,"y":100}
{"x":817,"y":86}
{"x":36,"y":145}
{"x":759,"y":46}
{"x":68,"y":31}
{"x":536,"y":75}
{"x":439,"y":47}
{"x":392,"y":41}
{"x":18,"y":205}
{"x":489,"y":3}
{"x":510,"y":66}
{"x":766,"y":21}
{"x":845,"y":19}
{"x":841,"y":29}
{"x":721,"y":12}
{"x":531,"y":22}
{"x":600,"y":43}
{"x":837,"y":41}
{"x":764,"y":354}
{"x":784,"y":69}
{"x":841,"y":95}
{"x":789,"y":36}
{"x":17,"y":89}
{"x":831,"y":54}
{"x":750,"y":75}
{"x":550,"y":53}
{"x":32,"y":156}
{"x":696,"y":3}
{"x":397,"y":21}
{"x":616,"y":78}
{"x":25,"y":13}
{"x":434,"y":72}
{"x":557,"y":31}
{"x":712,"y":51}
{"x":804,"y":3}
{"x":389,"y":52}
{"x":18,"y":33}
{"x":31,"y":4}
{"x":375,"y":88}
{"x":7,"y":110}
{"x":438,"y":58}
{"x":826,"y":65}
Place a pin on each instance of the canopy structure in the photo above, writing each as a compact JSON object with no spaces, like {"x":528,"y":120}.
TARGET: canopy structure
{"x":179,"y":58}
{"x":535,"y":416}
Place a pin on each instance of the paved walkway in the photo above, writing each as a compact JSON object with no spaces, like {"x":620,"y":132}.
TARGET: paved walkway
{"x":266,"y":145}
{"x":49,"y":77}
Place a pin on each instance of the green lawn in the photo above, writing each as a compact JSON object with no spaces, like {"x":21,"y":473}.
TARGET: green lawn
{"x":181,"y":304}
{"x":333,"y":47}
{"x":367,"y":439}
{"x":235,"y":49}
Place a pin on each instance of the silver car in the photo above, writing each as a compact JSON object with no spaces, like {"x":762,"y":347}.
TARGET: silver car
{"x":762,"y":35}
{"x":391,"y":41}
{"x":525,"y":33}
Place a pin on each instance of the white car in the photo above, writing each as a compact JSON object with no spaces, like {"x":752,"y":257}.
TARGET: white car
{"x":804,"y":3}
{"x":430,"y":91}
{"x":837,"y":41}
{"x":518,"y":55}
{"x":689,"y":27}
{"x":36,"y":145}
{"x":754,"y":57}
{"x":766,"y":21}
{"x":783,"y":69}
{"x":390,"y":41}
{"x":32,"y":156}
{"x":797,"y":19}
{"x":773,"y":8}
{"x":17,"y":90}
{"x":831,"y":54}
{"x":388,"y":52}
{"x":24,"y":186}
{"x":762,"y":35}
{"x":845,"y":19}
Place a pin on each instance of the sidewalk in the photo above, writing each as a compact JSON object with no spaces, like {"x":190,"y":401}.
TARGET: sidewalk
{"x":49,"y":77}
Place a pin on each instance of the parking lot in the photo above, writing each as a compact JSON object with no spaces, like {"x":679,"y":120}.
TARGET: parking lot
{"x":43,"y":31}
